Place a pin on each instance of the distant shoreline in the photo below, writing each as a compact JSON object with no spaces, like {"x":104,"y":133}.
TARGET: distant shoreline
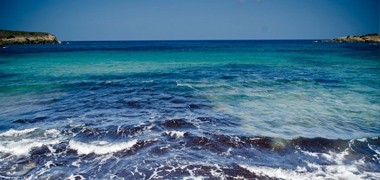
{"x":371,"y":38}
{"x":22,"y":37}
{"x":206,"y":40}
{"x":175,"y":40}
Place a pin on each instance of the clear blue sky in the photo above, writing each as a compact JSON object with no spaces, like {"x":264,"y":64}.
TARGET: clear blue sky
{"x":191,"y":19}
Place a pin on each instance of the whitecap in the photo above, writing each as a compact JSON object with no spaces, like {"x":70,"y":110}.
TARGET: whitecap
{"x":52,"y":133}
{"x":192,"y":176}
{"x":16,"y":133}
{"x":187,"y":85}
{"x":76,"y":125}
{"x":336,"y":171}
{"x":177,"y":134}
{"x":24,"y":146}
{"x":100,"y":147}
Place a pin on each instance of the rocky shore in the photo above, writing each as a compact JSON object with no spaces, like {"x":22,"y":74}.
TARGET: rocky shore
{"x":374,"y":38}
{"x":21,"y":37}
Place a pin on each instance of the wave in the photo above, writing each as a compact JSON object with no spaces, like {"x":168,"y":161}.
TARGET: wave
{"x":15,"y":133}
{"x":178,"y":148}
{"x":176,"y":134}
{"x":24,"y":146}
{"x":100,"y":147}
{"x":339,"y":171}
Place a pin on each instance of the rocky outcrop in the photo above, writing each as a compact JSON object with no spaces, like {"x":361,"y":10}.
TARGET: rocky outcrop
{"x":21,"y":37}
{"x":360,"y":38}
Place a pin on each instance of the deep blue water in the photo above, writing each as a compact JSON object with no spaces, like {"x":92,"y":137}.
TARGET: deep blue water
{"x":190,"y":110}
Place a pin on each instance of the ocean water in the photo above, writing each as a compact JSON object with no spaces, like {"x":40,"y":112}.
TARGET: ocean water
{"x":190,"y":110}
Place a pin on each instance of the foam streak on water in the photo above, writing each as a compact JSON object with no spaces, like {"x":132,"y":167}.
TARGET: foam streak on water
{"x":190,"y":110}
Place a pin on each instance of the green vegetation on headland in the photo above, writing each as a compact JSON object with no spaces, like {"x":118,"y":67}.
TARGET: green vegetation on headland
{"x":21,"y":37}
{"x":359,"y":38}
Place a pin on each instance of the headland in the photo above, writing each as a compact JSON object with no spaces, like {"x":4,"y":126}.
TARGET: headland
{"x":374,"y":38}
{"x":22,"y":37}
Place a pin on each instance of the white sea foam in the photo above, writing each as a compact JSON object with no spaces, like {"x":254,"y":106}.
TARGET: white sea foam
{"x":373,"y":148}
{"x":16,"y":143}
{"x":331,"y":172}
{"x":52,"y":133}
{"x":188,"y":85}
{"x":177,"y":134}
{"x":192,"y":176}
{"x":74,"y":177}
{"x":227,"y":153}
{"x":76,"y":163}
{"x":16,"y":133}
{"x":77,"y":125}
{"x":100,"y":147}
{"x":313,"y":154}
{"x":4,"y":177}
{"x":24,"y":146}
{"x":338,"y":170}
{"x":48,"y":164}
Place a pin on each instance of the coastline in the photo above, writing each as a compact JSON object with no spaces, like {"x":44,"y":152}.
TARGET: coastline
{"x":22,"y":37}
{"x":371,"y":38}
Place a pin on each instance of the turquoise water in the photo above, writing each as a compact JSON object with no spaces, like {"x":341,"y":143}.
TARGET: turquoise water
{"x":313,"y":107}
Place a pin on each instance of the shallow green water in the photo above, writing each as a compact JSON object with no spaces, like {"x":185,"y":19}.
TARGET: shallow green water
{"x":202,"y":99}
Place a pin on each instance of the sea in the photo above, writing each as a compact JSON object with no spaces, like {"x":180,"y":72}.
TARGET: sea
{"x":234,"y":109}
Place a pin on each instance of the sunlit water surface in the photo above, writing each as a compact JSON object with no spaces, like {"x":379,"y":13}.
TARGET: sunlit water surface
{"x":190,"y":110}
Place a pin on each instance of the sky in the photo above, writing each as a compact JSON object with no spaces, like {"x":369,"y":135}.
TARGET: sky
{"x":86,"y":20}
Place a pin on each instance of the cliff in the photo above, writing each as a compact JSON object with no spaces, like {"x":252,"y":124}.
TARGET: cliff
{"x":360,"y":38}
{"x":21,"y":37}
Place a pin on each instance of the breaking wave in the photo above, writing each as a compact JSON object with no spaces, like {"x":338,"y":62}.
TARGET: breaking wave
{"x":179,"y":149}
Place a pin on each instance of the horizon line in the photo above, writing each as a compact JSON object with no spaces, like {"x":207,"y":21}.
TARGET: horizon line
{"x":198,"y":40}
